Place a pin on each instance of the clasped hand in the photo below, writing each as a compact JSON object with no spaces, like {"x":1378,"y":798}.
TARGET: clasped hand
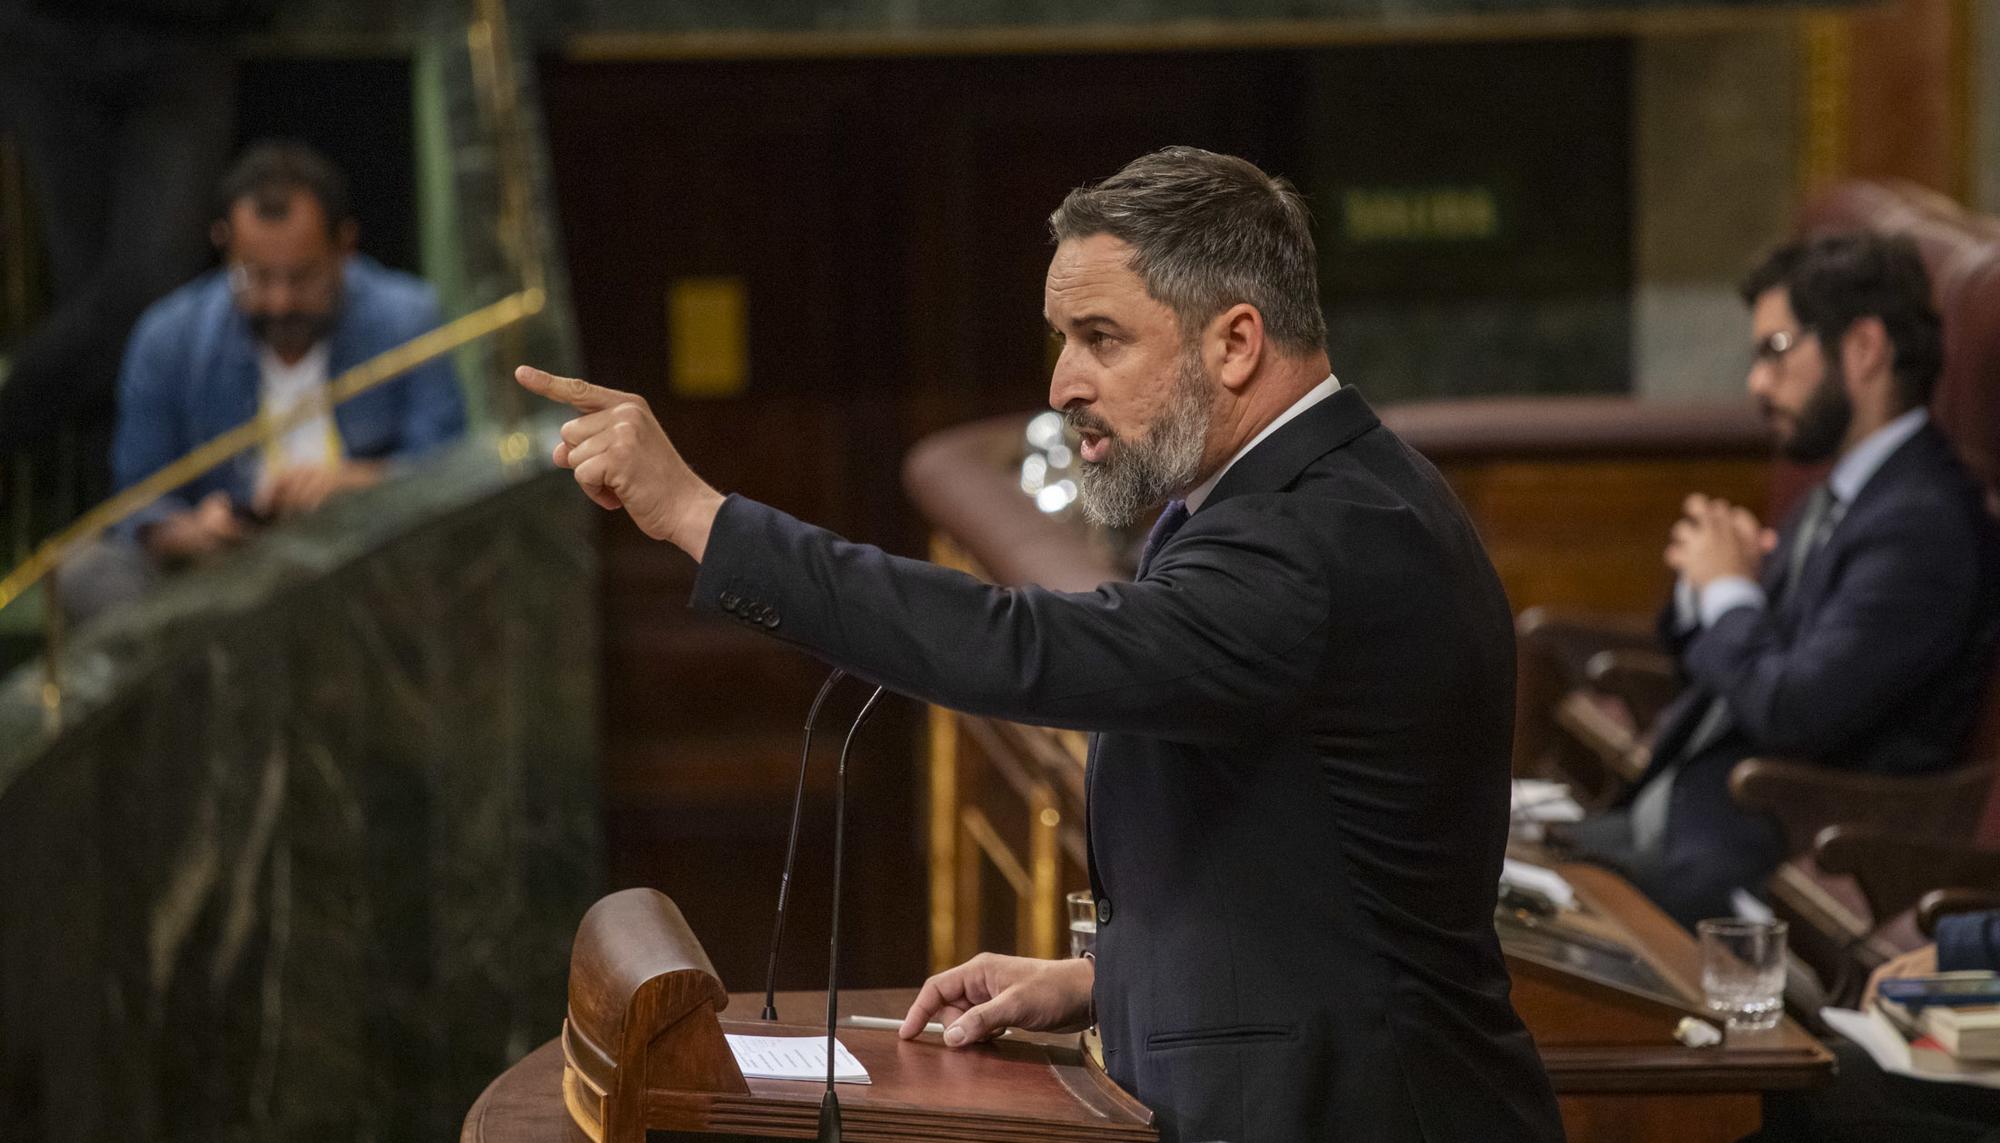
{"x":623,"y":459}
{"x":991,"y":993}
{"x":1715,"y":539}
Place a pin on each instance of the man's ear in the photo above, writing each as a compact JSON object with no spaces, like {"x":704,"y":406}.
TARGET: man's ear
{"x":218,"y":233}
{"x":1867,"y":355}
{"x":1236,"y":338}
{"x":347,"y":236}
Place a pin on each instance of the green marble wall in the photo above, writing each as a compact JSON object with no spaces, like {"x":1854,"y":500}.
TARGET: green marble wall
{"x":305,"y":857}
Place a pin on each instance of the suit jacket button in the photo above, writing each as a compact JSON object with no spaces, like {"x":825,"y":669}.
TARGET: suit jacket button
{"x":729,"y":600}
{"x":769,"y":618}
{"x":1104,"y":910}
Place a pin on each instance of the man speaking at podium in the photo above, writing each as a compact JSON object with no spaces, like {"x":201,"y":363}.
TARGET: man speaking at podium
{"x":1298,"y":781}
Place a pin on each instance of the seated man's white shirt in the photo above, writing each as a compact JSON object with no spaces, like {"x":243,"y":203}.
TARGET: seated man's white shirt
{"x":286,"y":389}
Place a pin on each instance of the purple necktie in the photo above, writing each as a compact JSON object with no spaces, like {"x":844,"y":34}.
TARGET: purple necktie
{"x":1171,"y":518}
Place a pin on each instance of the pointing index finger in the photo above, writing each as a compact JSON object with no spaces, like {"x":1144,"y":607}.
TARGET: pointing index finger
{"x":572,"y":391}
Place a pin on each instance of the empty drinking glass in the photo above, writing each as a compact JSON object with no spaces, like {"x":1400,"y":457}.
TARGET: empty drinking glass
{"x":1743,"y":970}
{"x":1082,"y":924}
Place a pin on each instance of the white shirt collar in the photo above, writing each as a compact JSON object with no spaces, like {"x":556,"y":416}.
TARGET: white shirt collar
{"x":1313,"y":396}
{"x":1853,"y":471}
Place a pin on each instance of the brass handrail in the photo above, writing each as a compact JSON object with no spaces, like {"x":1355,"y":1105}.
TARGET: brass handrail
{"x":384,"y":366}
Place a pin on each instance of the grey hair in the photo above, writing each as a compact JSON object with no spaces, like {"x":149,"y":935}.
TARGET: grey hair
{"x":1208,"y":231}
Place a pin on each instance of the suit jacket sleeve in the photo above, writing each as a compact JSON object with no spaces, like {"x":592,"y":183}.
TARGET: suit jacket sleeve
{"x":1902,"y":603}
{"x":1218,"y":638}
{"x":433,"y":406}
{"x":1969,"y":942}
{"x":152,"y":391}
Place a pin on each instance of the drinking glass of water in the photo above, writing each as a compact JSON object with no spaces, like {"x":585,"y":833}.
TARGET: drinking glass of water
{"x":1743,"y":970}
{"x":1082,"y":923}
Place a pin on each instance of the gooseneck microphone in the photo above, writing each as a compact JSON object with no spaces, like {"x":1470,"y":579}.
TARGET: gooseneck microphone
{"x":829,"y":1106}
{"x":792,"y":847}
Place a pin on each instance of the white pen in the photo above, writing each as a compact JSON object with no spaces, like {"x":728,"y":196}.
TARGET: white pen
{"x":886,"y":1023}
{"x":934,"y":1028}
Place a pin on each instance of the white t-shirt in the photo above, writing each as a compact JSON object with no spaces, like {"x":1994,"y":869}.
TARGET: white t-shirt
{"x":286,"y":388}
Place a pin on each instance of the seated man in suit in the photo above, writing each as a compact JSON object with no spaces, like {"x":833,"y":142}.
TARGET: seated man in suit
{"x":293,"y":306}
{"x":1298,"y":780}
{"x":1857,"y":635}
{"x":1864,"y":1104}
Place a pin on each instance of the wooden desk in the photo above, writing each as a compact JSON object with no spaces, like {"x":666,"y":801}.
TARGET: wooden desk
{"x":1646,"y":1089}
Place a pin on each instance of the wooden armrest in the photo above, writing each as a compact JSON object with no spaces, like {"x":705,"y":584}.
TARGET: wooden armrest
{"x":1620,"y":752}
{"x":1602,"y":630}
{"x":1553,"y":647}
{"x":1643,"y":679}
{"x":1806,"y":799}
{"x":1940,"y":903}
{"x":1896,"y":869}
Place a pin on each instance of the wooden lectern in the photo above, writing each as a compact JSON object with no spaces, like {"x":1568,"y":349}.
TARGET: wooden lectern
{"x":643,"y":1056}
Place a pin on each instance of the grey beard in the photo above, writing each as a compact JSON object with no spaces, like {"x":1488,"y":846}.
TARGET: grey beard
{"x":1138,"y":474}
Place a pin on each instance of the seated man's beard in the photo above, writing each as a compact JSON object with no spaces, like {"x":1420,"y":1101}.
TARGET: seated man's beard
{"x":1822,"y":424}
{"x":1138,"y":473}
{"x":291,"y":328}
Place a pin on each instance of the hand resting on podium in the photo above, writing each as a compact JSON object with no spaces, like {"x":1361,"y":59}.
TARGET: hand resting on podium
{"x":991,"y":993}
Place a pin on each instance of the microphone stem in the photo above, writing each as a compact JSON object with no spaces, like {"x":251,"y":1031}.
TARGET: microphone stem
{"x":792,"y":848}
{"x":839,"y":853}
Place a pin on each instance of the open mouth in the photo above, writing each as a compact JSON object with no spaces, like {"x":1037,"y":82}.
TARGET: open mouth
{"x":1093,"y":446}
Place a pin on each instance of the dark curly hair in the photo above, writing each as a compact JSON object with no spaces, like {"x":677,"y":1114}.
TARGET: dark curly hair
{"x":269,"y":173}
{"x":1835,"y":280}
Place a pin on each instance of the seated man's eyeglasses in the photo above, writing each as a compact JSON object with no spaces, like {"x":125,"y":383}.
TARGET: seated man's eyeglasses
{"x":310,"y":282}
{"x":1772,"y":348}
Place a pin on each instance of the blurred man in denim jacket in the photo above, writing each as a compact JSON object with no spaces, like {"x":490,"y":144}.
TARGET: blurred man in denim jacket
{"x":292,"y":307}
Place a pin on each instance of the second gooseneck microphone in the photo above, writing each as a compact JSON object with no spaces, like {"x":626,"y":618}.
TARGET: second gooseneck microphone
{"x":792,"y":847}
{"x":829,"y":1108}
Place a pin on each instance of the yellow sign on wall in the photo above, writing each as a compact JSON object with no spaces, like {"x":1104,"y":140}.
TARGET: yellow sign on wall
{"x":708,"y":337}
{"x":1422,"y":214}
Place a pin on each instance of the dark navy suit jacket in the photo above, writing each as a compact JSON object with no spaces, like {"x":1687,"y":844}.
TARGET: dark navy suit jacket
{"x":1299,"y":786}
{"x":191,"y":374}
{"x":1873,"y":661}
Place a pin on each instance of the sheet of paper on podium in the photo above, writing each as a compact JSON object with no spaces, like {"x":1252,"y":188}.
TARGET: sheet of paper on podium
{"x":794,"y":1058}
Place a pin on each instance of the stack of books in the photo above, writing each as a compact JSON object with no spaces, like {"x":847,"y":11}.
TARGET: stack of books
{"x":1945,"y":1039}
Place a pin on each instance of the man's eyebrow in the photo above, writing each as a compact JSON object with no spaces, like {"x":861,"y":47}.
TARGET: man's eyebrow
{"x":1086,"y":320}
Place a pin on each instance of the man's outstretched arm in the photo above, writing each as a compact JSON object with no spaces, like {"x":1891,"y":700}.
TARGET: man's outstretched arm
{"x":1219,"y":641}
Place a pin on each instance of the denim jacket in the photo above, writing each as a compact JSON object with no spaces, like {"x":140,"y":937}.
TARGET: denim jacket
{"x":191,"y":373}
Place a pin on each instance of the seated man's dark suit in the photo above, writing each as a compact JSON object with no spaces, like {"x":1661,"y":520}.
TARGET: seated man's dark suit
{"x":1298,"y":789}
{"x":1869,"y":658}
